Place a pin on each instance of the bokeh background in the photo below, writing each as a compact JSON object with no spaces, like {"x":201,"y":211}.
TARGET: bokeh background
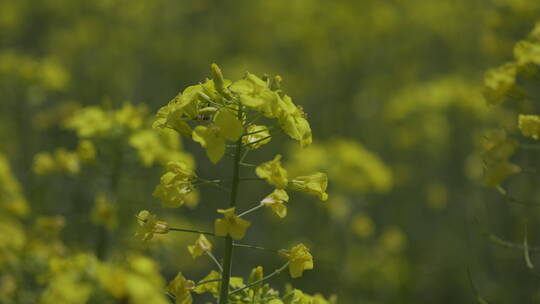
{"x":393,"y":92}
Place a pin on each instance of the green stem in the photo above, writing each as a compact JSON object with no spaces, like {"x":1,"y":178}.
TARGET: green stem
{"x":215,"y":183}
{"x":191,"y":230}
{"x":258,"y":140}
{"x":215,"y":261}
{"x":251,"y":210}
{"x":227,"y":261}
{"x":255,"y":247}
{"x":507,"y":244}
{"x":207,"y":281}
{"x":514,"y":200}
{"x":258,"y":131}
{"x":276,"y":272}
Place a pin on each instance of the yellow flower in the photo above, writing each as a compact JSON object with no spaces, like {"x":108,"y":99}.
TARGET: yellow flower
{"x":130,"y":116}
{"x":49,"y":226}
{"x":201,"y":246}
{"x":273,"y":172}
{"x":67,"y":161}
{"x":276,"y":200}
{"x":256,"y":275}
{"x":149,"y":225}
{"x":499,"y":82}
{"x":254,"y":92}
{"x":175,"y":185}
{"x":181,"y":288}
{"x":293,"y":122}
{"x":299,"y":260}
{"x":231,"y":224}
{"x":211,"y":287}
{"x":314,"y":184}
{"x":44,"y":163}
{"x":86,"y":150}
{"x":104,"y":213}
{"x":226,"y":126}
{"x":177,"y":112}
{"x":497,"y":173}
{"x":530,"y":125}
{"x":89,"y":122}
{"x":258,"y":136}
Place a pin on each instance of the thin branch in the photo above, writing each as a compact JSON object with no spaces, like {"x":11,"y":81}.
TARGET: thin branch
{"x":192,"y":231}
{"x":213,"y":258}
{"x":208,"y":281}
{"x":258,"y":140}
{"x":258,"y":131}
{"x":255,"y":247}
{"x":507,"y":244}
{"x":527,"y":257}
{"x":250,"y":210}
{"x":276,"y":272}
{"x":254,"y":120}
{"x":214,"y":183}
{"x":515,"y":200}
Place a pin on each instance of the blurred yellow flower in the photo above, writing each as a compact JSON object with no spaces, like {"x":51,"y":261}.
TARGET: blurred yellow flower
{"x":314,"y":184}
{"x":175,"y":185}
{"x":496,"y":174}
{"x":276,"y":200}
{"x":67,"y":161}
{"x":90,"y":121}
{"x":231,"y":224}
{"x":499,"y":82}
{"x":529,"y":125}
{"x":363,"y":226}
{"x":43,"y":163}
{"x":130,"y":116}
{"x":299,"y":260}
{"x":211,"y":287}
{"x":201,"y":246}
{"x":149,"y":225}
{"x":103,"y":213}
{"x":86,"y":150}
{"x":181,"y":288}
{"x":273,"y":173}
{"x":177,"y":112}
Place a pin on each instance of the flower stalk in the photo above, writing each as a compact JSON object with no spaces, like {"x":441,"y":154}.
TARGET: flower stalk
{"x":227,"y":262}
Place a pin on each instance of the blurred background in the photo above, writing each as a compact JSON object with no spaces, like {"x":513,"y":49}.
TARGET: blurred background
{"x":393,"y":93}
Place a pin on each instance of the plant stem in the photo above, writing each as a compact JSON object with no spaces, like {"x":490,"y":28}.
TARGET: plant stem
{"x":258,"y":140}
{"x":276,"y":272}
{"x":215,"y":183}
{"x":215,"y":261}
{"x":251,"y":210}
{"x":207,"y":281}
{"x":191,"y":230}
{"x":255,"y":247}
{"x":227,"y":261}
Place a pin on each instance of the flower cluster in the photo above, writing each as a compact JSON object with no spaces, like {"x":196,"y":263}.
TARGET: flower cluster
{"x":175,"y":185}
{"x":218,"y":114}
{"x":149,"y":225}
